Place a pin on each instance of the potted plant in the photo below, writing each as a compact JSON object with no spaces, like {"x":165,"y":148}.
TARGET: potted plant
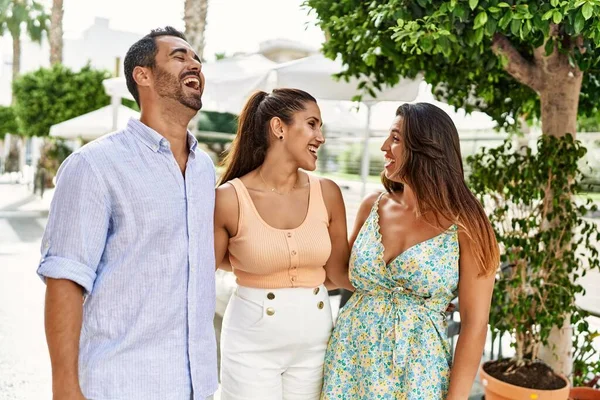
{"x":586,"y":365}
{"x":546,"y":246}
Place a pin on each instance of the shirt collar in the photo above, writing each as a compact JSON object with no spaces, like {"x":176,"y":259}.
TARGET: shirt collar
{"x":155,"y":140}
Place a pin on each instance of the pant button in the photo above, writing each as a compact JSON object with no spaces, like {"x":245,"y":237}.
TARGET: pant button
{"x":316,"y":291}
{"x":270,"y":296}
{"x":270,"y":311}
{"x":320,"y":305}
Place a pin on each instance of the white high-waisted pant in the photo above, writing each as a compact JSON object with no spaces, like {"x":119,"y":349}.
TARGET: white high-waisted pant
{"x":273,"y":343}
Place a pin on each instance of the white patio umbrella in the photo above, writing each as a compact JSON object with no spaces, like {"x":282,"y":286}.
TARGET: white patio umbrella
{"x":93,"y":124}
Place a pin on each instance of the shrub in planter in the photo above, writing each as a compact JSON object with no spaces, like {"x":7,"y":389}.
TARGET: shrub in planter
{"x":546,"y":245}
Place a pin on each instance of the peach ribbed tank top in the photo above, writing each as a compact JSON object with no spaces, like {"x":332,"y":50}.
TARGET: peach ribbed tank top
{"x":265,"y":257}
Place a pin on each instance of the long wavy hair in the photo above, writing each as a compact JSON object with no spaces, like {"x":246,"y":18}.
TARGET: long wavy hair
{"x":249,"y":148}
{"x":433,"y":169}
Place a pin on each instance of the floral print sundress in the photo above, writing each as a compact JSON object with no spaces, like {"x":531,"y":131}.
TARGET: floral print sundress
{"x":390,"y":339}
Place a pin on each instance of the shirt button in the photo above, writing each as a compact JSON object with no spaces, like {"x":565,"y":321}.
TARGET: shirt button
{"x":293,"y":252}
{"x":289,"y":234}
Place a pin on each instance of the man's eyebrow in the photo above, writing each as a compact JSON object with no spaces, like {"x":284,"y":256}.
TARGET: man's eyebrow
{"x":184,"y":51}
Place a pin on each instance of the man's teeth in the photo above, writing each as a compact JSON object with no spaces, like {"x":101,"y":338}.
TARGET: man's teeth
{"x":193,"y":80}
{"x":312,"y":149}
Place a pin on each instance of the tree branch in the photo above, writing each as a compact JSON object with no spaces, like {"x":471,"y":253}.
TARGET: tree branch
{"x":518,"y":67}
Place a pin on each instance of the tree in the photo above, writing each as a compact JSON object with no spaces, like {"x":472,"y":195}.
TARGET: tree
{"x":508,"y":58}
{"x":14,"y":14}
{"x":513,"y":59}
{"x":55,"y":35}
{"x":8,"y":121}
{"x":194,"y":16}
{"x":51,"y":95}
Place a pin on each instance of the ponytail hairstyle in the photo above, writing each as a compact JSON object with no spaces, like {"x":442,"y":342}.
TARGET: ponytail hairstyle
{"x":249,"y":148}
{"x":433,"y":169}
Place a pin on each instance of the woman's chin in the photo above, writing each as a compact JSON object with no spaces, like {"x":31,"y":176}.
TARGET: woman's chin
{"x":309,"y":166}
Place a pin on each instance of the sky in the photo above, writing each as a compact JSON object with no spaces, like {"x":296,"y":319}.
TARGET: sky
{"x":232,"y":25}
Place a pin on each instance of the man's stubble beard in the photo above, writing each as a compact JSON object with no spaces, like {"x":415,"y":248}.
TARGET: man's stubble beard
{"x":169,"y":86}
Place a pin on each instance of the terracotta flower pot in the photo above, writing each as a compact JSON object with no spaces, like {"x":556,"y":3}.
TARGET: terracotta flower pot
{"x":584,"y":393}
{"x":497,"y":390}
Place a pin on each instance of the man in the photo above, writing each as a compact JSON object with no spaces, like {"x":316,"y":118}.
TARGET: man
{"x":128,"y":255}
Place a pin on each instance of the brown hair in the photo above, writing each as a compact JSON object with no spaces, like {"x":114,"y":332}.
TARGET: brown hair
{"x":249,"y":148}
{"x":433,"y":168}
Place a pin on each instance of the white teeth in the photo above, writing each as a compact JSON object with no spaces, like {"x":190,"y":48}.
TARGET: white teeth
{"x":312,"y":149}
{"x":389,"y":160}
{"x":190,"y":80}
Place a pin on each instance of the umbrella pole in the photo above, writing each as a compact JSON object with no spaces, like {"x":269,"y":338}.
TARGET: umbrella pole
{"x":115,"y":102}
{"x":364,"y":167}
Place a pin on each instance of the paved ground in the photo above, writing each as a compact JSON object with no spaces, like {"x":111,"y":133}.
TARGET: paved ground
{"x":24,"y":362}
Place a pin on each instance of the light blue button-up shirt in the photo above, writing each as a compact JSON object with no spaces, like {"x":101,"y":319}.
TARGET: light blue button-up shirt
{"x":128,"y":227}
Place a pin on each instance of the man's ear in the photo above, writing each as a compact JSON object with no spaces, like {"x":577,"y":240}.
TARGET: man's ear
{"x":142,"y":76}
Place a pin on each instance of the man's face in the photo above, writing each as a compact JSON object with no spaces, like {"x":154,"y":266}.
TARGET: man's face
{"x":178,"y":72}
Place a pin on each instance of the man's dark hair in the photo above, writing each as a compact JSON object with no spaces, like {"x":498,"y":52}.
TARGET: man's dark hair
{"x":143,"y":54}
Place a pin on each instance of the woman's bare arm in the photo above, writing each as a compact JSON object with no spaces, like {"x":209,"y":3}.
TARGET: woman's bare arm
{"x":226,"y":217}
{"x":475,"y":295}
{"x":337,"y":265}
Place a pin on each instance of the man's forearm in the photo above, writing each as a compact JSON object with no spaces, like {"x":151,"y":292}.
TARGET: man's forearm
{"x":63,"y":316}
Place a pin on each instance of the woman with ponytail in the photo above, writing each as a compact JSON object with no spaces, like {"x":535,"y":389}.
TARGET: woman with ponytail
{"x":283,"y":233}
{"x":413,"y":247}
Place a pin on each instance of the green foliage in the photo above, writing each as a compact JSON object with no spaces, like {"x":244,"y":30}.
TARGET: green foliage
{"x":212,"y":121}
{"x":586,"y":365}
{"x":14,"y":14}
{"x":350,"y":161}
{"x":131,"y":104}
{"x":52,"y":155}
{"x":8,"y":121}
{"x":451,"y":42}
{"x":547,"y":244}
{"x":589,"y":124}
{"x":51,"y":95}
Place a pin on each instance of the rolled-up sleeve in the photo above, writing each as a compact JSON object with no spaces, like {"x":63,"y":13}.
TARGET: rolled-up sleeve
{"x":78,"y":224}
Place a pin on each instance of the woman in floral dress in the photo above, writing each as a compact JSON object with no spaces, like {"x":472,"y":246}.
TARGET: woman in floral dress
{"x":413,"y":247}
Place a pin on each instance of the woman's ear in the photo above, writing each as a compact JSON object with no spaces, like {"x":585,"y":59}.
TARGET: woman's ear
{"x":277,"y":128}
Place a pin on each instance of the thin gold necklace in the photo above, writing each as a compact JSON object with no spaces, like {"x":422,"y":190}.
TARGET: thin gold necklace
{"x":272,"y":188}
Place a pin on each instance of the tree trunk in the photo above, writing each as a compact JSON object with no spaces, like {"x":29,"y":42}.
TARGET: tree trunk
{"x":559,"y":101}
{"x":195,"y":12}
{"x":558,"y":354}
{"x":56,"y":32}
{"x":16,"y":66}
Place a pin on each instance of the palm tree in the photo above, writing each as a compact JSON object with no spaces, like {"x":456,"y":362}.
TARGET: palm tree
{"x":55,"y":35}
{"x":194,"y":17}
{"x":16,"y":15}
